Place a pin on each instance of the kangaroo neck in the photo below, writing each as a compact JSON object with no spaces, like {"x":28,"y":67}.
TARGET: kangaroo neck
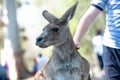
{"x":66,"y":49}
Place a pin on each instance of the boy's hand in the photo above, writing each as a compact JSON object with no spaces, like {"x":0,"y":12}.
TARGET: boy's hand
{"x":77,"y":44}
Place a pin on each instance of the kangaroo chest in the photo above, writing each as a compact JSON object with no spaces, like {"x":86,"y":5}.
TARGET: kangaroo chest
{"x":69,"y":70}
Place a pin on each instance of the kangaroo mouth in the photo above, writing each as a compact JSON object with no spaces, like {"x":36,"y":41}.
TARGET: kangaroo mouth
{"x":42,"y":44}
{"x":40,"y":41}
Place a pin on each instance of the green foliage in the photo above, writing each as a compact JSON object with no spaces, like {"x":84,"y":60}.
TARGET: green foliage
{"x":38,"y":2}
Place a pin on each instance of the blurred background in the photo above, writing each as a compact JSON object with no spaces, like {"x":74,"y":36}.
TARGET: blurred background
{"x":21,"y":21}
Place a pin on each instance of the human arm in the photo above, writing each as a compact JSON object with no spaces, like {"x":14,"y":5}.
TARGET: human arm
{"x":85,"y":23}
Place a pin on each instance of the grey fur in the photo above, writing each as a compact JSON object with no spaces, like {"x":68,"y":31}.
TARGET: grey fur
{"x":65,"y":63}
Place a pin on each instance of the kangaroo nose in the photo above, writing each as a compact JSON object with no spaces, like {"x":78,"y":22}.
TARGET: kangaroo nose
{"x":39,"y":39}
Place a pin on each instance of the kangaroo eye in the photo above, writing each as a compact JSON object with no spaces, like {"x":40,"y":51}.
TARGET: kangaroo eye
{"x":55,"y":29}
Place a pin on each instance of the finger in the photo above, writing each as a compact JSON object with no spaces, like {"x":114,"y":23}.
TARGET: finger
{"x":77,"y":46}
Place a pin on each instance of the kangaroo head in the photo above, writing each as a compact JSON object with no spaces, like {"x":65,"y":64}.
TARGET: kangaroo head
{"x":57,"y":31}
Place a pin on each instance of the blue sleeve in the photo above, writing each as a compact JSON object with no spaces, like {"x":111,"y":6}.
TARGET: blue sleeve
{"x":99,"y":4}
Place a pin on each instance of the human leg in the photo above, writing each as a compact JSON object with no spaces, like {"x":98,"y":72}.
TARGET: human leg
{"x":100,"y":61}
{"x":111,"y":59}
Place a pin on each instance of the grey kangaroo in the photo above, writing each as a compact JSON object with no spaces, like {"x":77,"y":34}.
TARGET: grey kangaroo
{"x":65,"y":63}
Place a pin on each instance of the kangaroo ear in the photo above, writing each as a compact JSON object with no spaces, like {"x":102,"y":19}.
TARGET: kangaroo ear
{"x":48,"y":16}
{"x":69,"y":14}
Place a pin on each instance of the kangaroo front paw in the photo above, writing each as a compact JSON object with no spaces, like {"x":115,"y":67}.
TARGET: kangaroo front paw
{"x":39,"y":76}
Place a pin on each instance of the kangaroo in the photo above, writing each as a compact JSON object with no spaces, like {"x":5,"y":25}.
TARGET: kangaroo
{"x":65,"y":63}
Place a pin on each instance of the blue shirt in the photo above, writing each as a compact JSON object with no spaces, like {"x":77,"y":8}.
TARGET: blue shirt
{"x":112,"y":32}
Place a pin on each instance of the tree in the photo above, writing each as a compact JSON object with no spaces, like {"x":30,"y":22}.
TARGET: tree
{"x":13,"y":37}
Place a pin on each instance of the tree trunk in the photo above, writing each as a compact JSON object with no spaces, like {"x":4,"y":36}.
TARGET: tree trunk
{"x":13,"y":37}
